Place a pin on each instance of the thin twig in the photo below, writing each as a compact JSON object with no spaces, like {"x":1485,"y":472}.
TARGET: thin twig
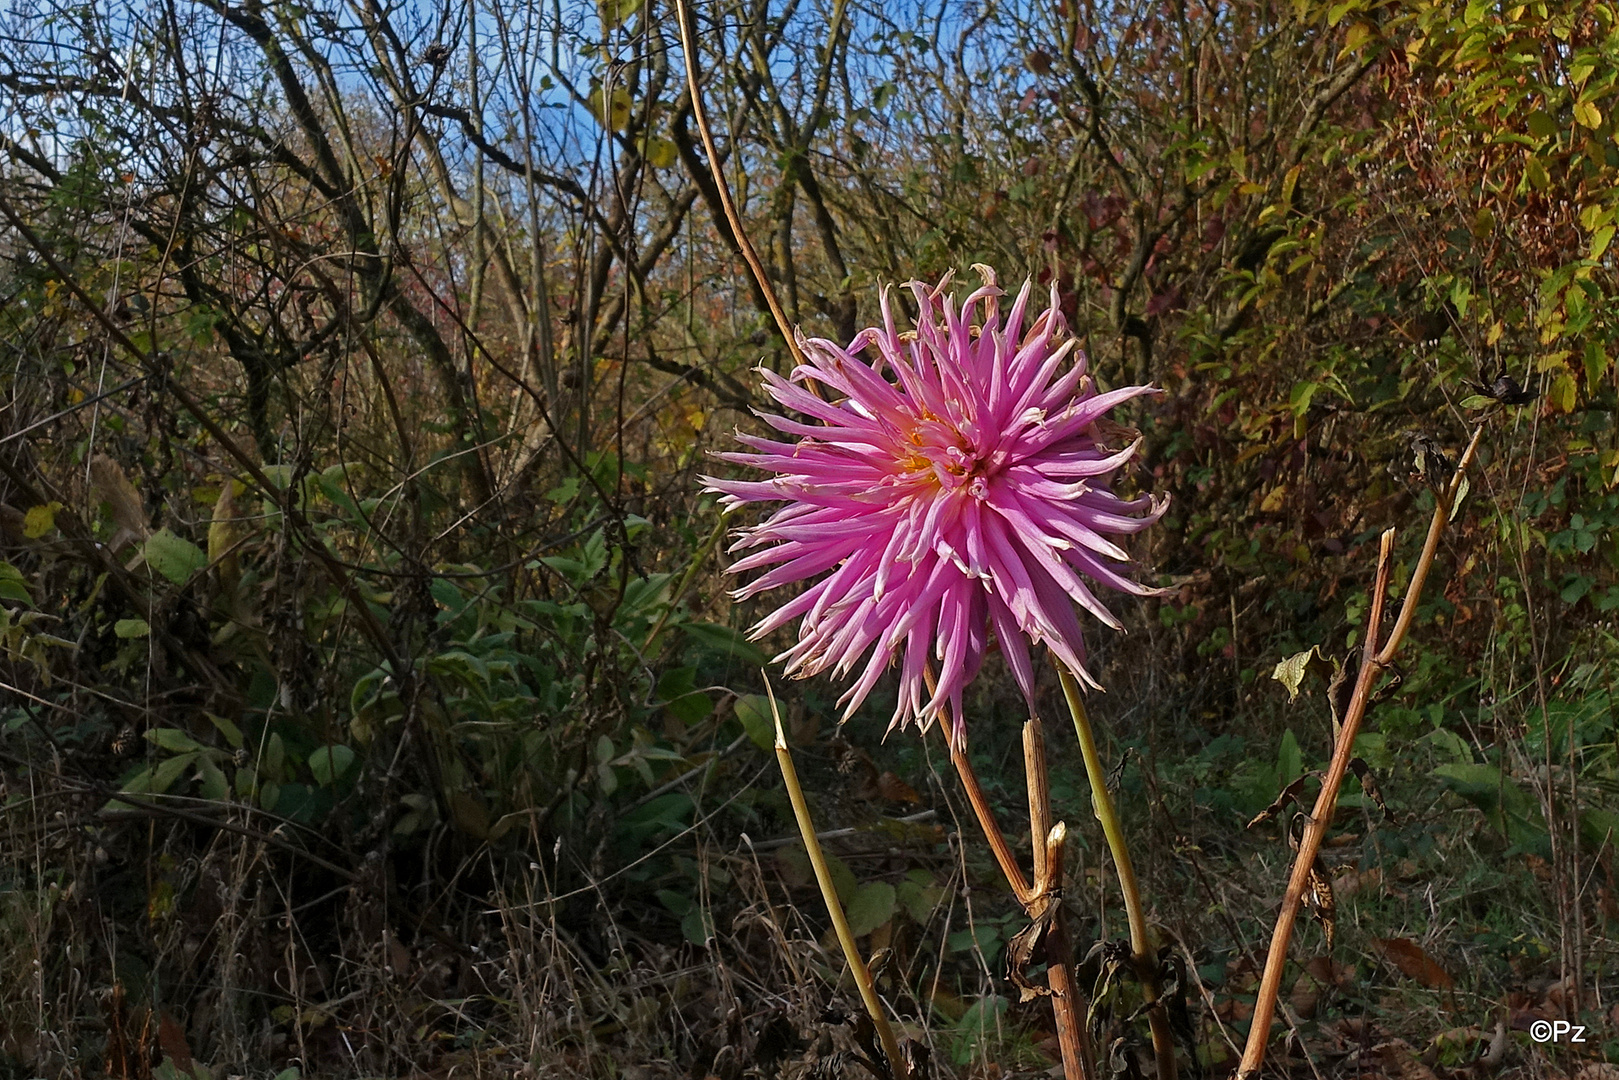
{"x":688,"y":47}
{"x":1374,"y":662}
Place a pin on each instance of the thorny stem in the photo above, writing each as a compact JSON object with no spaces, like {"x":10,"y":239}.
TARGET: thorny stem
{"x":1373,"y":663}
{"x":897,"y":1067}
{"x":1146,"y":963}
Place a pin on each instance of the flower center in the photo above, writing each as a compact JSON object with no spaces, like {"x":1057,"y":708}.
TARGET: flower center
{"x":941,"y":454}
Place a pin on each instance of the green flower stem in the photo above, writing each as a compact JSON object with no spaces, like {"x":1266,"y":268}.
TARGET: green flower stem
{"x":1163,"y":1043}
{"x":829,"y":893}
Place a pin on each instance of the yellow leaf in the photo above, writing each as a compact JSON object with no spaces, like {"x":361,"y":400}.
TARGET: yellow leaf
{"x":1273,"y":500}
{"x":1588,"y":114}
{"x":660,"y":152}
{"x":614,"y":12}
{"x":74,"y":396}
{"x":1600,"y":241}
{"x":40,"y":520}
{"x":1289,"y":183}
{"x":1562,"y":392}
{"x":611,"y":108}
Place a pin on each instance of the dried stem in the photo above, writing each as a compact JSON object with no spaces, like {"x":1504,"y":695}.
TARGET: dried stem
{"x":1373,"y":663}
{"x":1146,"y":963}
{"x":1049,"y":840}
{"x":897,"y":1067}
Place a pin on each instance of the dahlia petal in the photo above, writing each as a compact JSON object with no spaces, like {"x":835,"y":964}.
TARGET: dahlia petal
{"x":920,"y":510}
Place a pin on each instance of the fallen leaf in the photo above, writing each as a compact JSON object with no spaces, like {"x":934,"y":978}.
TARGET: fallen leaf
{"x":171,"y":1037}
{"x":1347,"y":885}
{"x":894,"y":789}
{"x":1414,"y":962}
{"x":1400,"y":1061}
{"x":1328,"y":972}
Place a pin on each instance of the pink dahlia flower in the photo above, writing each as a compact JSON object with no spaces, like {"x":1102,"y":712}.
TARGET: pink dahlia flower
{"x":956,"y":482}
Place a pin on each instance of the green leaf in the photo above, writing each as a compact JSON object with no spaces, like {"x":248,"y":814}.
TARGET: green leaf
{"x":843,"y":879}
{"x":726,"y":641}
{"x":214,"y":785}
{"x":13,"y":586}
{"x":679,"y":904}
{"x":872,"y":906}
{"x":275,"y":755}
{"x":919,"y":898}
{"x":1509,"y":808}
{"x":1289,"y":758}
{"x":175,"y":557}
{"x":172,"y":739}
{"x":642,"y":595}
{"x":697,"y":927}
{"x":753,"y":712}
{"x":232,"y":733}
{"x":169,"y":771}
{"x":330,"y":762}
{"x":690,"y":709}
{"x":131,"y":628}
{"x":1542,"y":125}
{"x":978,"y":1026}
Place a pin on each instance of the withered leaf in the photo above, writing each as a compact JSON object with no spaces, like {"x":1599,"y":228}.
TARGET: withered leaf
{"x":1290,"y":794}
{"x":1321,"y":902}
{"x":893,"y":789}
{"x":1414,"y":961}
{"x":1368,"y":784}
{"x":1020,"y":951}
{"x":1110,"y":958}
{"x":1291,"y":672}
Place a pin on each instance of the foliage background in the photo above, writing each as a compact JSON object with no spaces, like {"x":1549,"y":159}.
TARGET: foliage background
{"x":370,"y":699}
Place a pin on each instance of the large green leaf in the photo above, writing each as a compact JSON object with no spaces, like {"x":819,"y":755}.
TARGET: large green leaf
{"x":330,"y":762}
{"x":872,"y":906}
{"x":175,"y":557}
{"x":1511,"y":809}
{"x":172,"y":739}
{"x":753,"y":712}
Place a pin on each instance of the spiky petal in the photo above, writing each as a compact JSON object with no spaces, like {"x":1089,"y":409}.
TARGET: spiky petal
{"x":956,"y":483}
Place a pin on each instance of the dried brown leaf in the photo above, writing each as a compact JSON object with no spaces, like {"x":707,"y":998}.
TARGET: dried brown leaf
{"x":1414,"y":962}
